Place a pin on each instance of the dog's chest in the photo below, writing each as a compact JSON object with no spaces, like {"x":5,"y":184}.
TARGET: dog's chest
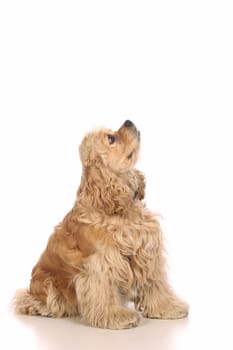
{"x":137,"y":247}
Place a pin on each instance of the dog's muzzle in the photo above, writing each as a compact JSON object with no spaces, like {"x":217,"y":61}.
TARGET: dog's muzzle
{"x":130,"y":125}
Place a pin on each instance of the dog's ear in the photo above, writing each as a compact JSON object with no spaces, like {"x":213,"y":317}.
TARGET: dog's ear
{"x":137,"y":182}
{"x":104,"y":190}
{"x":141,"y":183}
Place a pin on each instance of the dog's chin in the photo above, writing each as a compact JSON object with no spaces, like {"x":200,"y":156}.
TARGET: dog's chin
{"x":130,"y":164}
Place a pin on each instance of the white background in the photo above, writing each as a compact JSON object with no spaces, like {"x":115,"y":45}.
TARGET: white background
{"x":69,"y":66}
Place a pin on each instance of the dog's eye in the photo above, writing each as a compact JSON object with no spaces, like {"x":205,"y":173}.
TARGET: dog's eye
{"x":130,"y":155}
{"x":111,"y":139}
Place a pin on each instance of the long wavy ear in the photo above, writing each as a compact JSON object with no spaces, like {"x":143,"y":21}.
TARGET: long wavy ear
{"x":104,"y":190}
{"x":141,"y":183}
{"x":137,"y":183}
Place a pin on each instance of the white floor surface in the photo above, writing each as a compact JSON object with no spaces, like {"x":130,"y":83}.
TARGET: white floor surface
{"x":207,"y":327}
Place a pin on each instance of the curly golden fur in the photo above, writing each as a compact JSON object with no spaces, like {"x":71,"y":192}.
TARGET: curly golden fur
{"x":108,"y":247}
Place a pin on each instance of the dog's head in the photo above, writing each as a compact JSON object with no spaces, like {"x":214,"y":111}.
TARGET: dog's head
{"x":117,"y":151}
{"x":110,"y":182}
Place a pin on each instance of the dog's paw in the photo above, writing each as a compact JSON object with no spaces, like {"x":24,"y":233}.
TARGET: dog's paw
{"x":119,"y":318}
{"x":123,"y":318}
{"x":175,"y":310}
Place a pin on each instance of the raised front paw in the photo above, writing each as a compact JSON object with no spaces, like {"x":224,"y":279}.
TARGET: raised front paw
{"x":170,"y":310}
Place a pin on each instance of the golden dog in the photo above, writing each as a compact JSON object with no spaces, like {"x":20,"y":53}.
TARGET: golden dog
{"x":108,"y":247}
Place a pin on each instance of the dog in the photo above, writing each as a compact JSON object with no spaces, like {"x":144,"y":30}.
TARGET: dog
{"x":108,"y":248}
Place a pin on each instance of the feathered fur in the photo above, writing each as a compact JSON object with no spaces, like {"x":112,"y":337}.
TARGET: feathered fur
{"x":107,"y":247}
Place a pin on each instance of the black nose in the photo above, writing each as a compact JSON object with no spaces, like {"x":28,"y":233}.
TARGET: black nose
{"x":128,"y":124}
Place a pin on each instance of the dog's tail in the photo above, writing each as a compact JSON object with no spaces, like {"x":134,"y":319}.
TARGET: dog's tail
{"x":25,"y":303}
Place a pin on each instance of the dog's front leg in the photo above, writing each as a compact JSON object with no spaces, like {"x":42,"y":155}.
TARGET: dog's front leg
{"x":157,"y":300}
{"x":154,"y":296}
{"x":99,"y":302}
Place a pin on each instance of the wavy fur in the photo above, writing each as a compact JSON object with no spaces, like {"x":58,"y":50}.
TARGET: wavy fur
{"x":108,"y":247}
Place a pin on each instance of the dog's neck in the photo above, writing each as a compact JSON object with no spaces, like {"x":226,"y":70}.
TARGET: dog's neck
{"x":107,"y":191}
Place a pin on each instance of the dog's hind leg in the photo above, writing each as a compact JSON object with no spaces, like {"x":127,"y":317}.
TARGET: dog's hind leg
{"x":53,"y":305}
{"x":27,"y":304}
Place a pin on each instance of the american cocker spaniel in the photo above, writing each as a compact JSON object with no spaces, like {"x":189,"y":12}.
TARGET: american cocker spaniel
{"x":108,"y":248}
